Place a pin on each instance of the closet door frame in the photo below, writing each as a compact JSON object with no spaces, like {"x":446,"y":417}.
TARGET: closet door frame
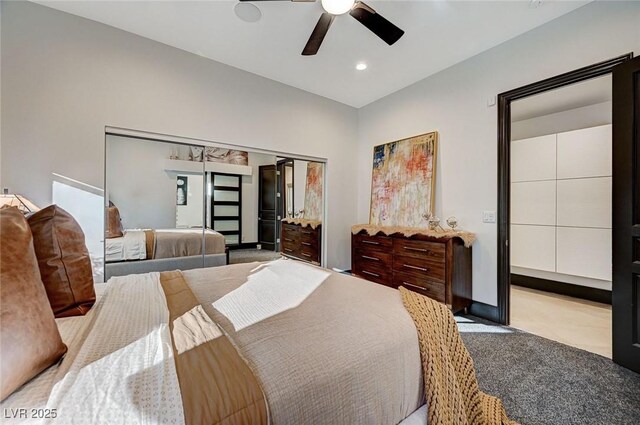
{"x":501,"y":313}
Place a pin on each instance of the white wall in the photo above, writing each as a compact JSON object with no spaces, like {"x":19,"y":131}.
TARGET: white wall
{"x":454,"y":102}
{"x":65,"y":78}
{"x":572,"y":119}
{"x":139,"y":185}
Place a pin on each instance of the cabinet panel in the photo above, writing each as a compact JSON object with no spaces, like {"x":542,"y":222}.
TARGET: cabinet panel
{"x":584,"y":202}
{"x":584,"y":252}
{"x":533,"y":159}
{"x":585,"y":153}
{"x":533,"y":247}
{"x":533,"y":203}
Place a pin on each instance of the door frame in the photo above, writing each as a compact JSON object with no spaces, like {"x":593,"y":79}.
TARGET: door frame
{"x":504,"y":163}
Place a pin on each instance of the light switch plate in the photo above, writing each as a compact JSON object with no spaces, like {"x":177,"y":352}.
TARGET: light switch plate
{"x":488,"y":216}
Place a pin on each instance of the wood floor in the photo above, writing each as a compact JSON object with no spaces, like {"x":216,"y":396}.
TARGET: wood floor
{"x":572,"y":321}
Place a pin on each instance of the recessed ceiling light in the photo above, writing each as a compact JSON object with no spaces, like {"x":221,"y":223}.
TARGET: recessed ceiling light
{"x":247,"y":12}
{"x":361,"y":66}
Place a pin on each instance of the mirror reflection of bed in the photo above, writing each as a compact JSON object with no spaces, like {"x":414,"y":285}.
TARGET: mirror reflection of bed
{"x":177,"y":206}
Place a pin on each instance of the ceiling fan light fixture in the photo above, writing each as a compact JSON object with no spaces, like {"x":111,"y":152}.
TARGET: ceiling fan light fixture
{"x":337,"y":7}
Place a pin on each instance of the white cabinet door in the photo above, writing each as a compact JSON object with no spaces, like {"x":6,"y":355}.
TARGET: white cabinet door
{"x":584,"y":252}
{"x":584,"y":202}
{"x":533,"y":202}
{"x":585,"y":153}
{"x":533,"y":159}
{"x":533,"y":247}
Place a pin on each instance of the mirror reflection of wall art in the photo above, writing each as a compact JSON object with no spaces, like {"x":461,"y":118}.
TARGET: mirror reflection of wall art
{"x":313,"y":191}
{"x":182,"y":187}
{"x":227,"y":156}
{"x":403,"y":182}
{"x":196,"y":153}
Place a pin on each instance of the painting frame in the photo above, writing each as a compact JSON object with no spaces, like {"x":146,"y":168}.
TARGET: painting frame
{"x":432,"y":138}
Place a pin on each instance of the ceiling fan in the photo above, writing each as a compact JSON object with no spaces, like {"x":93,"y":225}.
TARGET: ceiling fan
{"x":365,"y":14}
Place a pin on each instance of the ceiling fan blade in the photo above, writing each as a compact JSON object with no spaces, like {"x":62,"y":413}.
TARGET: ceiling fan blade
{"x":376,"y":23}
{"x":315,"y":40}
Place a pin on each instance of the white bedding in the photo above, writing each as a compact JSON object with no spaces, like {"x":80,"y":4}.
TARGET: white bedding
{"x":131,"y":246}
{"x":119,"y":367}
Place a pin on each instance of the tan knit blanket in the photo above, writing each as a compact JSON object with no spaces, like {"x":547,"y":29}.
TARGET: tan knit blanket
{"x":451,"y":388}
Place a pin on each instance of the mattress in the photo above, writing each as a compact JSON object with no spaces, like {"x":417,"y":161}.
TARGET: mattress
{"x":138,"y":244}
{"x":325,"y":348}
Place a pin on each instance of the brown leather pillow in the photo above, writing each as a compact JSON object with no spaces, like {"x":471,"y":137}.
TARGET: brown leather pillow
{"x":30,"y":338}
{"x":65,"y":265}
{"x":114,"y":223}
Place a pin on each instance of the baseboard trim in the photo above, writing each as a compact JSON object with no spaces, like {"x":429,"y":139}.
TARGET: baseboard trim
{"x":562,"y":288}
{"x":485,"y":311}
{"x":250,"y":245}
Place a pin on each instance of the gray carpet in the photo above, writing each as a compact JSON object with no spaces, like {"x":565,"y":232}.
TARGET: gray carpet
{"x":237,"y":256}
{"x":544,"y":382}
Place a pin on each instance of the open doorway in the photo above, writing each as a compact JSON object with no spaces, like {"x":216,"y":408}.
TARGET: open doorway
{"x":624,"y":310}
{"x":560,"y":222}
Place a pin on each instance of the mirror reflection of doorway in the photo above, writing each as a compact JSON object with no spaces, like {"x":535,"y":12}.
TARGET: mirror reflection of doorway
{"x":267,"y":206}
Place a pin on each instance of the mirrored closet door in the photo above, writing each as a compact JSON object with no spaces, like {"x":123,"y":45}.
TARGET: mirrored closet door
{"x":156,"y":208}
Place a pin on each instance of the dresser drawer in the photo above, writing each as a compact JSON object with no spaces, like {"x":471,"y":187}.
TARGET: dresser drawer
{"x":434,"y":290}
{"x":308,"y":232}
{"x":373,"y":258}
{"x":290,"y":250}
{"x":419,"y":267}
{"x":309,"y":254}
{"x":433,"y":251}
{"x":290,"y":230}
{"x":366,"y":242}
{"x":371,"y":272}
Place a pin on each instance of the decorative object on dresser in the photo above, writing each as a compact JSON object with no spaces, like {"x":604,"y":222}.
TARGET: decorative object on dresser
{"x":300,"y":239}
{"x":403,"y":181}
{"x":434,"y":263}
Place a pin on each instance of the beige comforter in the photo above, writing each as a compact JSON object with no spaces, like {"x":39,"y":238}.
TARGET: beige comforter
{"x":346,"y":354}
{"x":173,"y":243}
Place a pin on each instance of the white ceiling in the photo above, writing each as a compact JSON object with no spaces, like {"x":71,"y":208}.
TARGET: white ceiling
{"x":438,"y":34}
{"x":590,"y":92}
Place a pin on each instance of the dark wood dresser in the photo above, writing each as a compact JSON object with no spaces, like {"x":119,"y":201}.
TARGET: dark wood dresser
{"x":301,"y":242}
{"x":439,"y":268}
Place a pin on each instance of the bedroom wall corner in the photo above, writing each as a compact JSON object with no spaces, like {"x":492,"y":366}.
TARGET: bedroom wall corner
{"x":454,"y":103}
{"x":65,"y":78}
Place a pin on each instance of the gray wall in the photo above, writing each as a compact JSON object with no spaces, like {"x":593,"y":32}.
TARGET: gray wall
{"x":454,"y":102}
{"x":65,"y":78}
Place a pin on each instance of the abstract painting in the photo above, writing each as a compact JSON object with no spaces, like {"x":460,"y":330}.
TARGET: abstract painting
{"x":403,"y":182}
{"x":313,"y":191}
{"x":227,"y":156}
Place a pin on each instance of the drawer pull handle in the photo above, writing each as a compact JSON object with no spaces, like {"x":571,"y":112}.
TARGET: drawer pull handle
{"x":288,"y":240}
{"x":305,"y":254}
{"x":371,"y":242}
{"x":288,"y":250}
{"x":370,"y":258}
{"x":306,"y":243}
{"x":409,"y":248}
{"x":371,"y":273}
{"x":412,"y":285}
{"x":409,"y":266}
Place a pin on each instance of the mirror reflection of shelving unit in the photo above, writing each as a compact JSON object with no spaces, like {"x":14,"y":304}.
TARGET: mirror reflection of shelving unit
{"x":226,"y":206}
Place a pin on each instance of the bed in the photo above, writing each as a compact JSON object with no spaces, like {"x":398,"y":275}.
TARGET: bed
{"x":142,"y":251}
{"x":301,"y":345}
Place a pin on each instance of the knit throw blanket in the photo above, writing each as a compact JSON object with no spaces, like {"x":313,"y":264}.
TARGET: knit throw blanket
{"x":451,"y":388}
